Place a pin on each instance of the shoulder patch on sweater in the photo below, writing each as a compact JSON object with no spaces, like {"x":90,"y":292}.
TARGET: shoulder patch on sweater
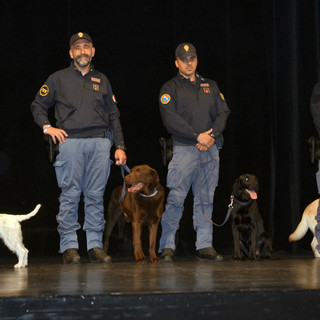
{"x":165,"y":98}
{"x":44,"y":90}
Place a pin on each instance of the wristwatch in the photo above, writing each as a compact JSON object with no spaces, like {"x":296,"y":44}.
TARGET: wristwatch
{"x":121,"y":148}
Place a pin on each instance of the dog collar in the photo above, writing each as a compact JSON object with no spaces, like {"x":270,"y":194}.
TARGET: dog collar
{"x":149,"y":195}
{"x":242,"y":203}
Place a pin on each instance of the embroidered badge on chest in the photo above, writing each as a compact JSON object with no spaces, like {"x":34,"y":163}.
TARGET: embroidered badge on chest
{"x":95,"y":79}
{"x":206,"y":90}
{"x":95,"y":87}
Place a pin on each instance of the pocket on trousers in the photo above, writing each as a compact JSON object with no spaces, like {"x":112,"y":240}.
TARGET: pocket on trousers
{"x":59,"y":163}
{"x":61,"y":172}
{"x":172,"y":177}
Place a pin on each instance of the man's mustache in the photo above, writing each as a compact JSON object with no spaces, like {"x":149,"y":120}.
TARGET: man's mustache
{"x":83,"y":56}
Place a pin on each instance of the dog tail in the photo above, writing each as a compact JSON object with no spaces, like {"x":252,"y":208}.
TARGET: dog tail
{"x":302,"y":227}
{"x":22,"y":217}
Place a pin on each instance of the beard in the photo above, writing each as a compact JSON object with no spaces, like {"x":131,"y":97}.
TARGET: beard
{"x":83,"y":60}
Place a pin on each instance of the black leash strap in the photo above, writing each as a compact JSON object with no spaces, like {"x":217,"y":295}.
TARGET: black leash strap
{"x":230,"y":207}
{"x":123,"y":168}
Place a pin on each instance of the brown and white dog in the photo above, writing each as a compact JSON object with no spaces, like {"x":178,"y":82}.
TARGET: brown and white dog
{"x":142,"y":204}
{"x":10,"y":233}
{"x":308,"y":222}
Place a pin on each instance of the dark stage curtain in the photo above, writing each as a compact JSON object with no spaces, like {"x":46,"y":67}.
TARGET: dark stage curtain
{"x":292,"y":51}
{"x":264,"y":55}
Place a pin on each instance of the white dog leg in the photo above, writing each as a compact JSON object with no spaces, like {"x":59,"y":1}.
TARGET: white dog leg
{"x":313,"y":244}
{"x":22,"y":254}
{"x":25,"y":258}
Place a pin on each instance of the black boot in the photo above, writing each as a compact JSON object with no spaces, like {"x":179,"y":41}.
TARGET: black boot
{"x":167,"y":255}
{"x":209,"y":254}
{"x":98,"y":255}
{"x":71,"y":256}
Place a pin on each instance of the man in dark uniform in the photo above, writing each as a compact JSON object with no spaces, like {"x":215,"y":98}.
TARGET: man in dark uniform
{"x":87,"y":121}
{"x":315,"y":111}
{"x":195,"y":113}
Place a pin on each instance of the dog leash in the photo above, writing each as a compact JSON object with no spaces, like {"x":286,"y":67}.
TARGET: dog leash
{"x":230,"y":207}
{"x":123,"y":168}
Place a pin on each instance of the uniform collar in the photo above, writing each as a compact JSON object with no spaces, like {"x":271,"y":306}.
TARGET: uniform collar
{"x":199,"y":78}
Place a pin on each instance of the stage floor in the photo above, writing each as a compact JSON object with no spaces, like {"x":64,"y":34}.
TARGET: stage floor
{"x":124,"y":277}
{"x":191,"y":280}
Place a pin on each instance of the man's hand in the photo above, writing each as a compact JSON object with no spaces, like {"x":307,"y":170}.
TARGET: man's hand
{"x":120,"y":157}
{"x":56,"y":134}
{"x":201,"y":147}
{"x":206,"y":140}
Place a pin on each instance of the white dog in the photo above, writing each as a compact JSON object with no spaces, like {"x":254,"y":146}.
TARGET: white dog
{"x":10,"y":233}
{"x":308,"y":221}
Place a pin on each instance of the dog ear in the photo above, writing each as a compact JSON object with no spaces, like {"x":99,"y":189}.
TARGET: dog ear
{"x":154,"y":173}
{"x":155,"y":178}
{"x":235,"y":185}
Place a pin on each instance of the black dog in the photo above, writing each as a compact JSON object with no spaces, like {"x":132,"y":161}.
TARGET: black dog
{"x":251,"y":241}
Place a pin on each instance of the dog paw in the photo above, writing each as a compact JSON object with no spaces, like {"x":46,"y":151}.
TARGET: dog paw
{"x":18,"y":265}
{"x":142,"y":261}
{"x":156,"y":260}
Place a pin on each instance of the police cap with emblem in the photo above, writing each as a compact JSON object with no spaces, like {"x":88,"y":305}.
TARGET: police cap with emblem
{"x":185,"y":50}
{"x":79,"y":35}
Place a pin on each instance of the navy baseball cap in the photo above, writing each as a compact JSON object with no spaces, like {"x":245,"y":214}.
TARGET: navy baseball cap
{"x":185,"y":50}
{"x":79,"y":35}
